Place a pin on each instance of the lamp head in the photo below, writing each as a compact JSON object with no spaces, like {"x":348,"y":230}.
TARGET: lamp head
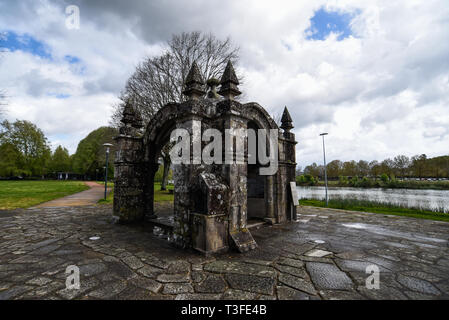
{"x":324,"y":134}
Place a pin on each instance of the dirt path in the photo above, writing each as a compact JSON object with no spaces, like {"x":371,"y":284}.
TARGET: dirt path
{"x":84,"y":198}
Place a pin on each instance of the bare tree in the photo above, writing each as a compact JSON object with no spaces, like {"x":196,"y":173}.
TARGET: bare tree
{"x":160,"y":80}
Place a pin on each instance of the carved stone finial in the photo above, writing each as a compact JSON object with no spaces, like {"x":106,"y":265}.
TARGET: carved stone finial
{"x":286,"y":121}
{"x":194,"y":83}
{"x":130,"y":119}
{"x":229,"y":83}
{"x":212,"y":83}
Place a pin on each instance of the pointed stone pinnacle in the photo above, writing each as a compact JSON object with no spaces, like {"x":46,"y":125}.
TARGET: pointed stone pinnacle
{"x":194,"y":83}
{"x":286,"y":120}
{"x":229,"y":82}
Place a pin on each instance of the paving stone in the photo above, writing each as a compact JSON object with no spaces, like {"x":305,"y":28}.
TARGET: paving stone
{"x":39,"y":281}
{"x":286,"y":293}
{"x":198,"y":296}
{"x":328,"y":276}
{"x":107,"y":291}
{"x":173,"y":278}
{"x":133,"y":293}
{"x":133,"y":262}
{"x":298,"y":272}
{"x":340,"y":295}
{"x":297,"y":283}
{"x":43,"y":291}
{"x":254,"y":284}
{"x":89,"y":270}
{"x":5,"y":285}
{"x":317,"y":253}
{"x":290,"y":262}
{"x":178,"y":267}
{"x":240,"y":268}
{"x":119,"y":270}
{"x":197,"y":267}
{"x":212,"y":284}
{"x":150,"y":272}
{"x":147,"y":284}
{"x":354,"y":265}
{"x":418,"y":285}
{"x":232,"y":294}
{"x":13,"y":292}
{"x":85,"y":285}
{"x":383,"y":293}
{"x":177,"y":288}
{"x":197,"y":276}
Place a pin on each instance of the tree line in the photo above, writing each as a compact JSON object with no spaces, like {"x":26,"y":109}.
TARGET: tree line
{"x":25,"y":153}
{"x":418,"y":166}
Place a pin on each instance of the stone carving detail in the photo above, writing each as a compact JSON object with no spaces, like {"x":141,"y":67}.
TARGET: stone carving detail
{"x":213,"y":203}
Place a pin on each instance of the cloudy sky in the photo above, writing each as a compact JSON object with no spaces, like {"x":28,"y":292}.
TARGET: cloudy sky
{"x":375,"y":75}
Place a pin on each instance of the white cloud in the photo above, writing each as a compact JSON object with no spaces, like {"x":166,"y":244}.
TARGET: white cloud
{"x":381,"y":92}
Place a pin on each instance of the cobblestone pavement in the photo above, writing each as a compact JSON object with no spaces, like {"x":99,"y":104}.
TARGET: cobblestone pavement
{"x":323,"y":256}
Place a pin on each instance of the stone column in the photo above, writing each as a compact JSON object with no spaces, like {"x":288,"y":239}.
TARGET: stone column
{"x":269,"y":196}
{"x":128,"y":180}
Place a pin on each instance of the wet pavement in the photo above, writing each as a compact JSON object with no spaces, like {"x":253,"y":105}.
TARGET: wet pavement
{"x":325,"y":255}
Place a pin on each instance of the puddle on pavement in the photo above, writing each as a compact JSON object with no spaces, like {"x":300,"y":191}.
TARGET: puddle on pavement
{"x":386,"y":232}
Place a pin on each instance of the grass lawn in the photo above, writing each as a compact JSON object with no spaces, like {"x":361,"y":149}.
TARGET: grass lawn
{"x":24,"y":194}
{"x":377,"y":207}
{"x":159,"y":196}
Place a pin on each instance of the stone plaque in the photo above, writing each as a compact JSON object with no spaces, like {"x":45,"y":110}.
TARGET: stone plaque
{"x":294,"y":193}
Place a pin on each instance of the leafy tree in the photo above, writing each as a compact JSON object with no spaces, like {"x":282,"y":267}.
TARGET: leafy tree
{"x":60,"y":160}
{"x":384,"y":177}
{"x":11,"y":161}
{"x":350,"y":168}
{"x":312,"y":170}
{"x":90,"y":156}
{"x":375,"y":169}
{"x":401,"y":164}
{"x":32,"y":144}
{"x":363,"y":168}
{"x":418,"y":165}
{"x":334,"y":168}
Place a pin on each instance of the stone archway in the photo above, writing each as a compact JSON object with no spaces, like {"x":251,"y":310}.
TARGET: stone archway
{"x":211,"y":201}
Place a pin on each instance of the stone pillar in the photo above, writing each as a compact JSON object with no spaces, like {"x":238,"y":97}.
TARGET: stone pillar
{"x":129,"y":172}
{"x":269,"y":196}
{"x":186,"y":185}
{"x":128,"y":178}
{"x":288,"y":161}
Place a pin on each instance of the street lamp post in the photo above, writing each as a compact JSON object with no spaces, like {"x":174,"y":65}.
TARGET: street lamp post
{"x":107,"y":145}
{"x":325,"y":169}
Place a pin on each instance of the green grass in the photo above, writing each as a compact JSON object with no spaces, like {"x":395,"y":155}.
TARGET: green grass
{"x":159,"y":196}
{"x":24,"y":194}
{"x":378,"y":207}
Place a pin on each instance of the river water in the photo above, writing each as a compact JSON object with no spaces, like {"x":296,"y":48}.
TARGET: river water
{"x":425,"y":199}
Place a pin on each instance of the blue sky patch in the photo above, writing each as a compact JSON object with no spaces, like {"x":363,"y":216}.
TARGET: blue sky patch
{"x":26,"y":43}
{"x":72,"y":59}
{"x":59,"y":95}
{"x":324,"y":22}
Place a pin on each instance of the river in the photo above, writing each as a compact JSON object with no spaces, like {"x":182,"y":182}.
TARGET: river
{"x":425,"y":199}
